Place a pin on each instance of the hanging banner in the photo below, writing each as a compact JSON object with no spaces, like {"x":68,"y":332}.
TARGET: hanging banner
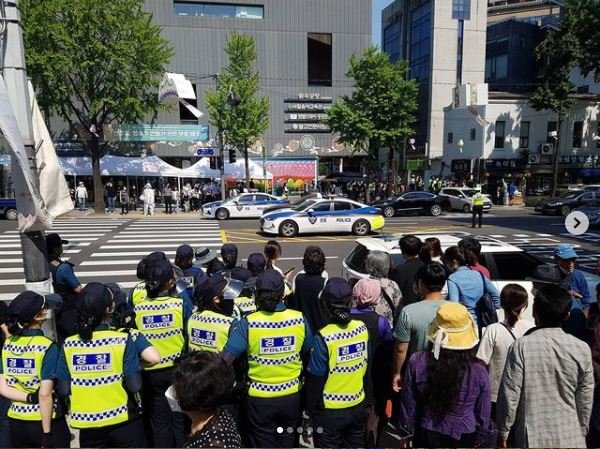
{"x":32,"y":214}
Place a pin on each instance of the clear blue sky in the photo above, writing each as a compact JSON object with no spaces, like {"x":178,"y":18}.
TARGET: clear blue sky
{"x":378,"y":6}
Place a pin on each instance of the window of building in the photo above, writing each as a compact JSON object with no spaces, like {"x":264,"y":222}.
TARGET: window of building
{"x":461,"y":9}
{"x":500,"y":130}
{"x":319,"y":59}
{"x":185,"y":116}
{"x":420,"y":42}
{"x":552,"y":127}
{"x":583,"y":89}
{"x":473,"y":133}
{"x":577,"y":134}
{"x":203,"y":9}
{"x":391,"y":41}
{"x":524,"y":135}
{"x":496,"y":67}
{"x":598,"y":134}
{"x":450,"y":137}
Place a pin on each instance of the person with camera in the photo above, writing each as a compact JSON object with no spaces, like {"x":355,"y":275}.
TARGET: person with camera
{"x":99,"y":369}
{"x":27,"y":374}
{"x":274,"y":338}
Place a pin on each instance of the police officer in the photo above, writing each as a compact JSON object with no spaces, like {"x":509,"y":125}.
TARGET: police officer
{"x":98,"y":369}
{"x":229,"y":255}
{"x":138,"y":293}
{"x":337,"y":368}
{"x":209,"y":328}
{"x":184,"y":258}
{"x":65,"y":283}
{"x":477,"y":208}
{"x":245,"y":301}
{"x":162,"y":318}
{"x":273,"y":338}
{"x":27,"y":374}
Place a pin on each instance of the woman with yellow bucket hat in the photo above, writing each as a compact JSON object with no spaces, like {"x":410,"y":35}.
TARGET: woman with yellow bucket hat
{"x":446,"y":391}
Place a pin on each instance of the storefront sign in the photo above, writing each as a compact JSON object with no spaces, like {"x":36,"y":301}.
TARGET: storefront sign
{"x":305,"y":117}
{"x":307,"y":112}
{"x":303,"y":127}
{"x":460,"y":165}
{"x":587,"y":161}
{"x":310,"y":107}
{"x":503,"y":164}
{"x":156,"y":133}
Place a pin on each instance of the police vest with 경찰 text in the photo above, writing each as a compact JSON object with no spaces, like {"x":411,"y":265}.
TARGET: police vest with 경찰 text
{"x":274,"y":343}
{"x":98,"y":397}
{"x":160,"y":320}
{"x":347,"y":347}
{"x":208,"y":331}
{"x":22,"y":359}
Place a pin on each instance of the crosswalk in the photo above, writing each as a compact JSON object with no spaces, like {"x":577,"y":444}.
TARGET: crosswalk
{"x":108,"y":250}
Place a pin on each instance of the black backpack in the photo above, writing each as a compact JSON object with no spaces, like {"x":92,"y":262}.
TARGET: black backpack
{"x":484,"y":309}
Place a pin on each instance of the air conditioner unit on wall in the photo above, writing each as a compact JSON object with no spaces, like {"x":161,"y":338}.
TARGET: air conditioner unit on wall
{"x":534,"y":158}
{"x":547,"y":149}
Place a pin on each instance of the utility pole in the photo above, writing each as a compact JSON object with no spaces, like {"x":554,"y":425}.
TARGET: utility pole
{"x":221,"y":149}
{"x":33,"y":244}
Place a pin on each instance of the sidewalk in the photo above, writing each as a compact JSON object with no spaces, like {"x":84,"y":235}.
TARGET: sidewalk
{"x":90,"y":213}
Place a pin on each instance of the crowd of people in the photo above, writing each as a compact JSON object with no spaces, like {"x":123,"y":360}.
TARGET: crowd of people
{"x":205,"y":352}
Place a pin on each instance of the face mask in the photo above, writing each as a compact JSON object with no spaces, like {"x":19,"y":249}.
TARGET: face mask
{"x":173,"y":403}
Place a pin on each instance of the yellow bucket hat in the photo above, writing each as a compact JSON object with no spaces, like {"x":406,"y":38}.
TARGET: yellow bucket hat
{"x":452,"y":328}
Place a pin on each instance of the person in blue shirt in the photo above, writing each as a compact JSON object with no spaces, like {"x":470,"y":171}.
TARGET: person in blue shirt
{"x":89,"y":364}
{"x":65,"y":283}
{"x":574,"y":281}
{"x":274,"y":339}
{"x":467,"y":286}
{"x":27,"y":375}
{"x":184,"y":260}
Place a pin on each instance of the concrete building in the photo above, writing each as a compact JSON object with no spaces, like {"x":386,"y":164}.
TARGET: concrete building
{"x":303,"y":52}
{"x":515,"y":144}
{"x":444,"y":42}
{"x":539,"y":12}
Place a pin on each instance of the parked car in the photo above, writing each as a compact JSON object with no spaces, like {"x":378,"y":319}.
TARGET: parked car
{"x":507,"y":263}
{"x":8,"y":208}
{"x":294,"y":203}
{"x":592,"y":188}
{"x":566,"y":203}
{"x":246,"y":205}
{"x":592,"y":212}
{"x":461,"y":198}
{"x":420,"y":202}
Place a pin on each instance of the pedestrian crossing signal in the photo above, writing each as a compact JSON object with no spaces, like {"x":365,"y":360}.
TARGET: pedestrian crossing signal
{"x":232,"y":156}
{"x":213,"y":163}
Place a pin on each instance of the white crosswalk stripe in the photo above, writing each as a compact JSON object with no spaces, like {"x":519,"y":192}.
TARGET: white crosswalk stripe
{"x":108,"y":250}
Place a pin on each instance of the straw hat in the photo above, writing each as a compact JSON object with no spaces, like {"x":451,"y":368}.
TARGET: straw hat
{"x":452,"y":328}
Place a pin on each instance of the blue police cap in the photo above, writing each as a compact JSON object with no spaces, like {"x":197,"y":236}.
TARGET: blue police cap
{"x":270,"y":280}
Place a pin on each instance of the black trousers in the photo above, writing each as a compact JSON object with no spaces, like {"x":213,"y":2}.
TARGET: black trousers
{"x":266,"y":415}
{"x":166,"y":427}
{"x":124,"y":208}
{"x":168,"y":204}
{"x":340,"y":428}
{"x":29,"y":433}
{"x":477,"y":210}
{"x":4,"y":423}
{"x":428,"y":438}
{"x":127,"y":434}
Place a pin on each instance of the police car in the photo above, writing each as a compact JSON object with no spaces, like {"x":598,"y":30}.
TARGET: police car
{"x":319,"y":216}
{"x":246,"y":205}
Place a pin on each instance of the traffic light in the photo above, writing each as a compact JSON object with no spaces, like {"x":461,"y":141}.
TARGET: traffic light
{"x":232,"y":156}
{"x":220,"y":165}
{"x":213,"y":163}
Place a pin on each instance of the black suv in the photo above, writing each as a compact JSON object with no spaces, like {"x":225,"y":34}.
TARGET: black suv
{"x":566,"y":203}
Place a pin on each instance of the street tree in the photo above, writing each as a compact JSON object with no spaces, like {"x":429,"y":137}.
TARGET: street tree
{"x":94,"y":63}
{"x":557,"y":55}
{"x":245,"y":120}
{"x":381,"y":112}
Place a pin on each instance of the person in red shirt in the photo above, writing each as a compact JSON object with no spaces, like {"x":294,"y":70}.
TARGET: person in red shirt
{"x":472,"y":249}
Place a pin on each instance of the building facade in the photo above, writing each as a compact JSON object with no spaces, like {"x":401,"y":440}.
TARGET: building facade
{"x":303,"y":51}
{"x":444,"y":44}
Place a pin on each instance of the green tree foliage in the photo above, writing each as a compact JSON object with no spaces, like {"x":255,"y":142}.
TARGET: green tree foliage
{"x":94,"y":63}
{"x":381,"y":111}
{"x":244,"y":123}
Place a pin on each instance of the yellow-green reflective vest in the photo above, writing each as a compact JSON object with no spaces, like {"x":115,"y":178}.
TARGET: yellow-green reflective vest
{"x":98,"y":398}
{"x":208,"y":331}
{"x":274,"y":343}
{"x":245,"y":304}
{"x":347,"y":346}
{"x":22,"y":358}
{"x":161,"y":321}
{"x":478,"y":199}
{"x":139,"y":293}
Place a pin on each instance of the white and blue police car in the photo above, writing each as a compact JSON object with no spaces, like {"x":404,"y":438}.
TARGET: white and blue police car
{"x":321,"y":216}
{"x":246,"y":205}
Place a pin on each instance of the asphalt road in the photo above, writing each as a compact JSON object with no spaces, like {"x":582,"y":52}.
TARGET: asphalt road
{"x":107,"y":249}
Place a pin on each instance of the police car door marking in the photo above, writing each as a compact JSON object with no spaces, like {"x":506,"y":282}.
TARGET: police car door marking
{"x":239,"y":208}
{"x":343,"y":220}
{"x":312,"y":220}
{"x":20,"y":367}
{"x":157,"y":321}
{"x":92,"y":362}
{"x":350,"y":352}
{"x":203,"y":337}
{"x":277,"y":345}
